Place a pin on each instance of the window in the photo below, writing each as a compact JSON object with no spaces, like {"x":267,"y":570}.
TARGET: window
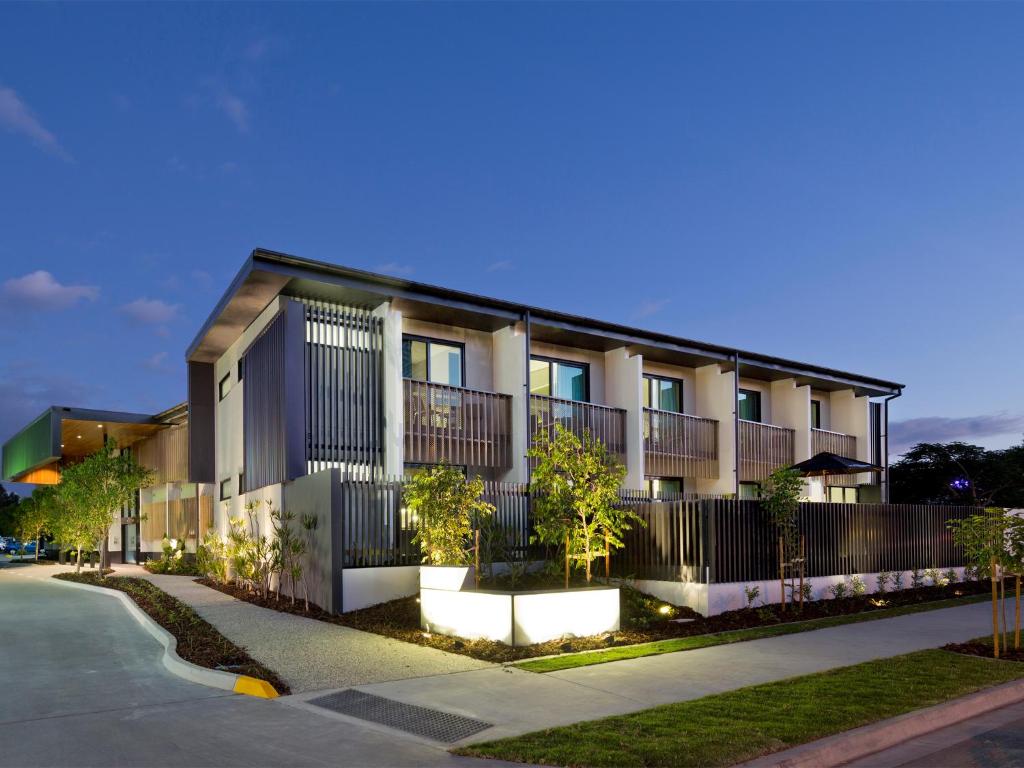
{"x":241,"y":369}
{"x":558,"y":378}
{"x":663,"y":394}
{"x":664,"y":486}
{"x":841,"y":495}
{"x":816,"y":414}
{"x":225,"y":489}
{"x":439,"y":362}
{"x":750,"y":491}
{"x":750,"y":405}
{"x":225,"y":386}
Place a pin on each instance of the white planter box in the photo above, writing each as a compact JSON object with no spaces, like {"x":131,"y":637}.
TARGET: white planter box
{"x":448,"y":577}
{"x":520,"y":618}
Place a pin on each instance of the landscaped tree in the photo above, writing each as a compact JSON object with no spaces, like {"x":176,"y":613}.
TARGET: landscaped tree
{"x":780,"y":494}
{"x":953,"y":473}
{"x":96,"y":489}
{"x":34,"y":514}
{"x":993,"y":543}
{"x":447,"y":508}
{"x":575,"y":488}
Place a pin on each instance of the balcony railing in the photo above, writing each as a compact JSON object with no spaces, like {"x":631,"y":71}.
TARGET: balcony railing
{"x":763,"y":449}
{"x":677,"y":445}
{"x":604,"y":423}
{"x":822,"y":440}
{"x":456,"y":425}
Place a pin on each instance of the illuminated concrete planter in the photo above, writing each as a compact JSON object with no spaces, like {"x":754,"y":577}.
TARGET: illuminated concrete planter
{"x":519,"y":618}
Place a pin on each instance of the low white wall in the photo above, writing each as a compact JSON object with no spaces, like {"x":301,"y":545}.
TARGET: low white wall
{"x":363,"y":587}
{"x":519,"y":618}
{"x":712,"y":599}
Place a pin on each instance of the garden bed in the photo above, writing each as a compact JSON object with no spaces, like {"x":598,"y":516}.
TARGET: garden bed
{"x":198,"y":641}
{"x":982,"y":646}
{"x":644,"y":619}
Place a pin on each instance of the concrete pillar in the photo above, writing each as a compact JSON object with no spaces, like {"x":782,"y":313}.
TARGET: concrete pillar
{"x":716,"y":399}
{"x":510,"y":358}
{"x":791,"y":407}
{"x":851,"y":415}
{"x":623,"y":388}
{"x":394,"y":411}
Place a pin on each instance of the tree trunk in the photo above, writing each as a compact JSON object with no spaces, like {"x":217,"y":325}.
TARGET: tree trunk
{"x":567,"y":561}
{"x":103,"y":555}
{"x":1002,"y":591}
{"x":782,"y":576}
{"x":1016,"y":616}
{"x":1018,"y":580}
{"x":78,"y":567}
{"x":995,"y":609}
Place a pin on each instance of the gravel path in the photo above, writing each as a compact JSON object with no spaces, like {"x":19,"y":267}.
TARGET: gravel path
{"x":309,"y":654}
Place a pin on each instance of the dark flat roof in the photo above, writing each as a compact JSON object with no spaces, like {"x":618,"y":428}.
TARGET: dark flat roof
{"x":265,"y":274}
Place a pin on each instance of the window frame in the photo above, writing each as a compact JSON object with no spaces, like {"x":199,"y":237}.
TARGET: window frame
{"x":816,"y":402}
{"x":564,"y":361}
{"x":650,"y":378}
{"x":225,"y":482}
{"x":221,"y":391}
{"x":428,"y":340}
{"x":760,"y":410}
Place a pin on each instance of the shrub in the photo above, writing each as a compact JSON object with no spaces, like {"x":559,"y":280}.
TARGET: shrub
{"x":446,"y":505}
{"x":950,"y":576}
{"x":897,"y":580}
{"x":857,"y":586}
{"x":751,"y":593}
{"x":173,"y":560}
{"x":884,"y":579}
{"x":838,"y":590}
{"x":916,"y":579}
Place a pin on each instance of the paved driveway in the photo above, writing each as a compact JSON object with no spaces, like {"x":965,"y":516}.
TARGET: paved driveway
{"x":81,"y":683}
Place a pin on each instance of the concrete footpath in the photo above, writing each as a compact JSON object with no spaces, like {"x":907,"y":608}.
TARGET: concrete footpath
{"x":309,"y":654}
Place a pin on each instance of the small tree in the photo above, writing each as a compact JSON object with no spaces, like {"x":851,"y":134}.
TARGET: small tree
{"x":447,"y":507}
{"x":95,"y":490}
{"x":34,"y":514}
{"x":575,"y":487}
{"x":780,"y":494}
{"x":993,"y":543}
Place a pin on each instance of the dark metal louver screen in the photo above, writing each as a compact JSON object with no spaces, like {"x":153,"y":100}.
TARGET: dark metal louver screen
{"x":263,"y":407}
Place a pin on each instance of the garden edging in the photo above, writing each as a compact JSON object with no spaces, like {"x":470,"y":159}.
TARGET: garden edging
{"x":869,"y":739}
{"x":213,"y":678}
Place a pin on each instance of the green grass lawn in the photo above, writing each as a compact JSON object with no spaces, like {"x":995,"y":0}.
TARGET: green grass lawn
{"x":586,"y":658}
{"x":728,"y":728}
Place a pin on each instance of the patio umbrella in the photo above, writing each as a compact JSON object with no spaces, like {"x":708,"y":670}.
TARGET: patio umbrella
{"x":826,"y":463}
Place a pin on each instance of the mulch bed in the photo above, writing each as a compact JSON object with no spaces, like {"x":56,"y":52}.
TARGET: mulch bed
{"x":198,"y":641}
{"x":642,"y":620}
{"x":983,"y":648}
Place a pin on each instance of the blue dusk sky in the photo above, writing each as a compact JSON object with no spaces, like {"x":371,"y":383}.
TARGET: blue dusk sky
{"x":836,"y":183}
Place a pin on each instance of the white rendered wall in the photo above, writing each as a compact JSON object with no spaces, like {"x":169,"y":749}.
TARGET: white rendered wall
{"x":851,"y":415}
{"x":509,"y":367}
{"x":716,"y":400}
{"x":311,"y":495}
{"x":394,"y":427}
{"x":688,"y":594}
{"x":791,"y":407}
{"x":363,"y":587}
{"x":478,"y":344}
{"x":623,"y":380}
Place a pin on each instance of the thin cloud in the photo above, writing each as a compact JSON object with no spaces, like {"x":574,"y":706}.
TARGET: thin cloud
{"x":943,"y":429}
{"x":396,"y":269}
{"x":499,"y":266}
{"x":236,"y":110}
{"x":150,"y":311}
{"x":17,"y":117}
{"x":157,"y":363}
{"x":26,"y":392}
{"x":650,"y":307}
{"x":41,"y":290}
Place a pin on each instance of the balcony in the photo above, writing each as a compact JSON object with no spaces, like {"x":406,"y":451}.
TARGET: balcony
{"x":604,"y":423}
{"x":822,"y":440}
{"x":460,"y":426}
{"x":677,"y":445}
{"x":763,"y":449}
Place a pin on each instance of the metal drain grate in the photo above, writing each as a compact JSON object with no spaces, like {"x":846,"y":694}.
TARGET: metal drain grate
{"x":429,"y":723}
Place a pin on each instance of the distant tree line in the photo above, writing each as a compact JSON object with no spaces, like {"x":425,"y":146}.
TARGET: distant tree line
{"x":958,"y":473}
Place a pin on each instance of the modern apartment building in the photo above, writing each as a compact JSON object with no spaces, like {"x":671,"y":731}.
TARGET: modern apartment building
{"x":169,"y":506}
{"x":305,"y":366}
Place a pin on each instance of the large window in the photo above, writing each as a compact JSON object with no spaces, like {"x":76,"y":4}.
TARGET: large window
{"x":750,"y":405}
{"x":439,"y":362}
{"x":663,"y":394}
{"x":816,"y":414}
{"x":558,"y":378}
{"x":659,"y":487}
{"x":841,"y":495}
{"x":749,"y":491}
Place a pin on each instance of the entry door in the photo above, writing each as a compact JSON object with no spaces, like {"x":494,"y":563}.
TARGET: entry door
{"x":130,"y":542}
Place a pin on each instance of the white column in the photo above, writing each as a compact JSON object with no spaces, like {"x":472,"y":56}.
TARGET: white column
{"x":791,"y":407}
{"x":852,"y":416}
{"x":716,"y":399}
{"x":510,"y":358}
{"x":623,"y":382}
{"x":394,"y":412}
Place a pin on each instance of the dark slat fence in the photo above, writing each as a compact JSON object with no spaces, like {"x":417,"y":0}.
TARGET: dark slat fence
{"x":684,"y":538}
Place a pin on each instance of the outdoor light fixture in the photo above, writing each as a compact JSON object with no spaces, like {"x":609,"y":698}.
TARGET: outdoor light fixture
{"x":960,"y":484}
{"x":99,"y":426}
{"x":79,"y":437}
{"x":665,"y":610}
